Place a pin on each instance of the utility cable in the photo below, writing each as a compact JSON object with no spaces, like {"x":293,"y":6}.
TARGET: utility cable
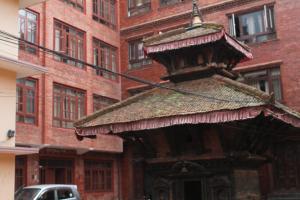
{"x":11,"y":37}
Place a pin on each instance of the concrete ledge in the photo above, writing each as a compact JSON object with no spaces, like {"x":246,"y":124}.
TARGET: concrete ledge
{"x":26,"y":3}
{"x":22,"y":68}
{"x":18,"y":150}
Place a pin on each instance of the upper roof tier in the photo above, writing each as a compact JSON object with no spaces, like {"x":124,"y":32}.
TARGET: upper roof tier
{"x":205,"y":48}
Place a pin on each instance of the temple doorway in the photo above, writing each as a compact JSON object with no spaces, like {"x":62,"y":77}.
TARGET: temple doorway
{"x":192,"y":190}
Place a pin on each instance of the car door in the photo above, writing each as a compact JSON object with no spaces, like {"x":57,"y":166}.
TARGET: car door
{"x":65,"y":194}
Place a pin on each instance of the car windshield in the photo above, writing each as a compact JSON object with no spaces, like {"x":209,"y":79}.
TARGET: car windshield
{"x":27,"y":194}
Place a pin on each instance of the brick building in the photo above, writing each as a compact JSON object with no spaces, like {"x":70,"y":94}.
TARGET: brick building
{"x":47,"y":105}
{"x":110,"y":35}
{"x":269,"y":27}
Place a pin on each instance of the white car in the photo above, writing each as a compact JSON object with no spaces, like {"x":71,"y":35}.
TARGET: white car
{"x":48,"y":192}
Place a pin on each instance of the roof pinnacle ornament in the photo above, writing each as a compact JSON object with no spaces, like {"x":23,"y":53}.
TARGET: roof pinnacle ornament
{"x":197,"y":18}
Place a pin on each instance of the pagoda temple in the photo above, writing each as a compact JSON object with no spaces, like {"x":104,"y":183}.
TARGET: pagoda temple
{"x":201,"y":135}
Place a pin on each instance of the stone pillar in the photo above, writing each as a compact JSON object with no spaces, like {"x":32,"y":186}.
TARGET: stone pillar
{"x":246,"y":184}
{"x":33,"y":169}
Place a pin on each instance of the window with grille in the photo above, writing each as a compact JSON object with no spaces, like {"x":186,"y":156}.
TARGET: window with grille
{"x":98,"y":176}
{"x":20,"y":172}
{"x":136,"y":7}
{"x":27,"y":100}
{"x":77,"y":4}
{"x":71,"y":42}
{"x":69,"y":105}
{"x":267,"y":80}
{"x":254,"y":26}
{"x":100,"y":102}
{"x":105,"y":56}
{"x":137,"y":58}
{"x":104,"y":12}
{"x":28,"y":30}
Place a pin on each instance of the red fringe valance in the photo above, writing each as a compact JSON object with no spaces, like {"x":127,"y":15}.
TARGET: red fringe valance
{"x":212,"y":117}
{"x":198,"y":41}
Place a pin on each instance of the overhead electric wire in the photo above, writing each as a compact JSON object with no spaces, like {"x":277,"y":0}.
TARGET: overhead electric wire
{"x":9,"y":38}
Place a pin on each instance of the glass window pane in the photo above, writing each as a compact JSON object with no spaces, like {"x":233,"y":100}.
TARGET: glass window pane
{"x":252,"y":23}
{"x":96,"y":58}
{"x":140,"y":51}
{"x":277,"y":89}
{"x":275,"y":72}
{"x":22,"y":12}
{"x":263,"y":86}
{"x":30,"y":107}
{"x":57,"y":40}
{"x":31,"y":16}
{"x":19,"y":99}
{"x":30,"y":83}
{"x":22,"y":28}
{"x":57,"y":106}
{"x":29,"y":120}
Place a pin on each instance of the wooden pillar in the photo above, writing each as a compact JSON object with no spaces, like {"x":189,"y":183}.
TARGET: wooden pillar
{"x":127,"y":174}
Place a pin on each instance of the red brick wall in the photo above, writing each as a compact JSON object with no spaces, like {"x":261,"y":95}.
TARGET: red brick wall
{"x":43,"y":134}
{"x":284,"y":48}
{"x":58,"y":72}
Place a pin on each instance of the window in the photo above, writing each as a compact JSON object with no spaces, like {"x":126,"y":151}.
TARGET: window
{"x":48,"y":195}
{"x":137,"y":57}
{"x":104,"y":11}
{"x":136,"y":7}
{"x":169,"y":2}
{"x":105,"y":56}
{"x":98,"y":176}
{"x":28,"y":30}
{"x":267,"y":80}
{"x":78,"y":4}
{"x":102,"y":102}
{"x":65,"y":193}
{"x":20,"y":173}
{"x":69,"y":104}
{"x":27,"y":100}
{"x":256,"y":26}
{"x":69,"y":41}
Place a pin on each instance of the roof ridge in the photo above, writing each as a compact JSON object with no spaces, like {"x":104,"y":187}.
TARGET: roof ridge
{"x":287,"y":109}
{"x":113,"y":106}
{"x":207,"y":25}
{"x":245,"y":88}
